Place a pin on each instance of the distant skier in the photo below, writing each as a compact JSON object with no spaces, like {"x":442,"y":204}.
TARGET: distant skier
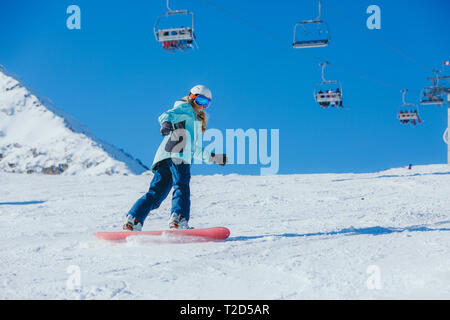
{"x":172,"y":162}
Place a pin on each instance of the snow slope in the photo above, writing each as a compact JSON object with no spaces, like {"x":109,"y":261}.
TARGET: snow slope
{"x":383,"y":235}
{"x":37,"y":137}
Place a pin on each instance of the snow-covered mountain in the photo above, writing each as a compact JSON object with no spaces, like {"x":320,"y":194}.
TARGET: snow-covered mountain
{"x":37,"y":137}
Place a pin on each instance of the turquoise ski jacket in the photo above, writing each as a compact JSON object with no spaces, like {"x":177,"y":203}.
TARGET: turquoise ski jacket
{"x":182,"y":142}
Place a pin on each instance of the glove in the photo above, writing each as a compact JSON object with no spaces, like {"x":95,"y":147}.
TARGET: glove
{"x":166,"y":128}
{"x":218,"y":158}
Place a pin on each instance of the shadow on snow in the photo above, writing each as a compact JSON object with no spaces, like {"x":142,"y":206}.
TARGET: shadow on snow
{"x":375,"y":231}
{"x":23,"y":203}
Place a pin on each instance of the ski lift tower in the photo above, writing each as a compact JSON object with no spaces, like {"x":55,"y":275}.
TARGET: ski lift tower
{"x":433,"y":95}
{"x":446,"y":133}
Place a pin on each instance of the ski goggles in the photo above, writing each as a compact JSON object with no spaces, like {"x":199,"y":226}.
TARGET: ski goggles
{"x":201,"y":100}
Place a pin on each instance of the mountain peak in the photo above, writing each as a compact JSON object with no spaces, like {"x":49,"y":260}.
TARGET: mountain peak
{"x":38,"y":137}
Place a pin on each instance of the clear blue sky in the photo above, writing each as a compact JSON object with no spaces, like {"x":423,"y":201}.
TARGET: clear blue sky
{"x":113,"y":76}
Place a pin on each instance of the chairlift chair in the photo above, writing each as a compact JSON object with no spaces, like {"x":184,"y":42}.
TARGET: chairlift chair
{"x":178,"y":38}
{"x":432,"y":95}
{"x":408,"y":112}
{"x":311,"y":33}
{"x":328,"y":93}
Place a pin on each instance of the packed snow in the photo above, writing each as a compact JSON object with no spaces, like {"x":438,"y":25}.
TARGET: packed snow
{"x":38,"y":137}
{"x":382,"y":235}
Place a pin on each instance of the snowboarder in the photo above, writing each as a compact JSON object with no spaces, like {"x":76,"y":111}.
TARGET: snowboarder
{"x":172,"y":162}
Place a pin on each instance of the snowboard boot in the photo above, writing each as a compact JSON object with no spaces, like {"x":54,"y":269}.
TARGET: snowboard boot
{"x":132,"y":224}
{"x":177,"y":221}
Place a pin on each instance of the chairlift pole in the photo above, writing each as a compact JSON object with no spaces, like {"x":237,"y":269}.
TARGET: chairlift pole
{"x":404,"y":91}
{"x":448,"y":126}
{"x":320,"y":11}
{"x":435,"y":81}
{"x":447,"y":91}
{"x":172,"y":12}
{"x":323,"y":65}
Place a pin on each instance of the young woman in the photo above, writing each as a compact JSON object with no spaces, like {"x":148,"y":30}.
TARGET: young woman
{"x":172,"y":163}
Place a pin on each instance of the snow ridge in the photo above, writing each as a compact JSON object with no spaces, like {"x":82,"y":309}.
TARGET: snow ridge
{"x":38,"y":137}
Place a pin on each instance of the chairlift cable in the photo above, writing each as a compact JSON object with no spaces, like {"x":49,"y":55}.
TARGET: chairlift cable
{"x":245,"y":21}
{"x":385,"y":43}
{"x":274,"y":37}
{"x":362,"y":75}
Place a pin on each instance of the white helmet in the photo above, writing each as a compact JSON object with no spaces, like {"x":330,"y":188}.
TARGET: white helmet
{"x":202,"y":91}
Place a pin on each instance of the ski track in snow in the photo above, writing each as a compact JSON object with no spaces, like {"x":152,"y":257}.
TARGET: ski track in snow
{"x":292,"y":237}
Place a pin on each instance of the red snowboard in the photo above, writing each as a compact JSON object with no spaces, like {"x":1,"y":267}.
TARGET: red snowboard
{"x":216,"y":233}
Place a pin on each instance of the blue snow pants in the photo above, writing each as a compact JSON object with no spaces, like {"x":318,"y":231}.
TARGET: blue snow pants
{"x":167,"y":174}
